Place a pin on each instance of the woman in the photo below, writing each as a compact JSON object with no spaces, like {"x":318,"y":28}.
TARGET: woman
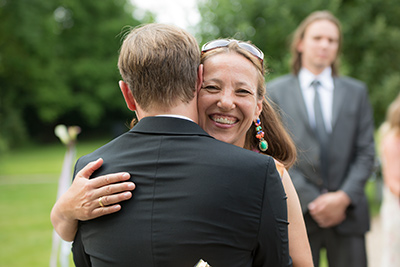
{"x":390,"y":209}
{"x":232,"y":109}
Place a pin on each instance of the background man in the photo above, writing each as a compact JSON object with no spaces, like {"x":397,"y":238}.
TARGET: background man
{"x":330,"y":118}
{"x":195,"y":197}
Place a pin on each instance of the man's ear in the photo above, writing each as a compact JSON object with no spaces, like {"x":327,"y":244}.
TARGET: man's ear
{"x":299,"y":46}
{"x":200,"y":77}
{"x":129,"y":99}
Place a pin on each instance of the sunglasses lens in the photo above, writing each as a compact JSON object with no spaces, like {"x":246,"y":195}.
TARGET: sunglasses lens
{"x":225,"y":42}
{"x":252,"y":49}
{"x":215,"y":44}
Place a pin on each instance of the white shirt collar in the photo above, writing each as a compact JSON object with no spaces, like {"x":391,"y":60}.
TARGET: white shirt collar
{"x":175,"y":116}
{"x":325,"y":78}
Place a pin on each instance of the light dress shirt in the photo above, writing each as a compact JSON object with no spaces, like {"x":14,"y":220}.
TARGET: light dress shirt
{"x":325,"y":92}
{"x":175,"y":116}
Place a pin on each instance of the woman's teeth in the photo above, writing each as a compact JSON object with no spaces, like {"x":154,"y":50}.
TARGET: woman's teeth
{"x":224,"y":120}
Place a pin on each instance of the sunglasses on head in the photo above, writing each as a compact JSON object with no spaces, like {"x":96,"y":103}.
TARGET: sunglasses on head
{"x":225,"y":42}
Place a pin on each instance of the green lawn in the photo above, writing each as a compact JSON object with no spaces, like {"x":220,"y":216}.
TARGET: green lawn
{"x":28,"y":189}
{"x":25,"y":225}
{"x":45,"y":159}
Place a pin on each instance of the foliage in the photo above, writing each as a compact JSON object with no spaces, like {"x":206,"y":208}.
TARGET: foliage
{"x":58,"y":65}
{"x":58,"y":57}
{"x":371,"y":31}
{"x":24,"y":47}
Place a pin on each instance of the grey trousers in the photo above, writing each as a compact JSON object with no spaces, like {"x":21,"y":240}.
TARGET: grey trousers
{"x":341,"y":250}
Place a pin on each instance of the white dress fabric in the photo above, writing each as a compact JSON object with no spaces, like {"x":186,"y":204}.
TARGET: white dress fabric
{"x":390,"y":215}
{"x":390,"y":208}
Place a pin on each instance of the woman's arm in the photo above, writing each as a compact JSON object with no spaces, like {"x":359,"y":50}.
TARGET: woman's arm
{"x":81,"y":201}
{"x":391,"y":162}
{"x":299,"y":247}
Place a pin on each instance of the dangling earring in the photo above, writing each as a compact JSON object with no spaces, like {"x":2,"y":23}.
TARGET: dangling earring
{"x":263,"y":145}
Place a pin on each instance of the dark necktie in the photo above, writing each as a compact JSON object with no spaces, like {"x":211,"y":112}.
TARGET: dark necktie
{"x":320,"y":130}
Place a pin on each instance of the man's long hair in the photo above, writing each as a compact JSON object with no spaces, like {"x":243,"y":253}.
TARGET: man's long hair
{"x":299,"y":35}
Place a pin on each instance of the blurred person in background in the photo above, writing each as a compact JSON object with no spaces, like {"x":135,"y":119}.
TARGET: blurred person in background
{"x":330,"y":119}
{"x":390,"y":208}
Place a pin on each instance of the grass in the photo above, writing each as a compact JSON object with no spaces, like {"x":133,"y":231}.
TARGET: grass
{"x":25,"y":226}
{"x":47,"y":159}
{"x":28,"y":189}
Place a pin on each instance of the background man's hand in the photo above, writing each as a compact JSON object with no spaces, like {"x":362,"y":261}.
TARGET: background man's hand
{"x":329,"y":209}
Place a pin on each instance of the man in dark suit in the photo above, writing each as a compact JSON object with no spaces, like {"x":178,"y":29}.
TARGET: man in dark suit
{"x":195,"y":197}
{"x":330,"y":119}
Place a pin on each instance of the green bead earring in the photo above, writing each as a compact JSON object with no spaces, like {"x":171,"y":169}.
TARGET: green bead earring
{"x":263,"y":145}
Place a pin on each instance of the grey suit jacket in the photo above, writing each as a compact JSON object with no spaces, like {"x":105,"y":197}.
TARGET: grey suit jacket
{"x":351,"y":147}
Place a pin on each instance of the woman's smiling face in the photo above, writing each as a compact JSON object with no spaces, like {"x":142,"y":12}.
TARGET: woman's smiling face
{"x":227,"y":101}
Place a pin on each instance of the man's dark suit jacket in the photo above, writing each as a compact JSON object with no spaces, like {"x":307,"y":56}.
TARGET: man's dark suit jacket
{"x":351,"y":147}
{"x":195,"y":198}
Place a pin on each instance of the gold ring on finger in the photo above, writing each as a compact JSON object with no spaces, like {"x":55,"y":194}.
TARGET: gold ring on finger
{"x":101,"y":203}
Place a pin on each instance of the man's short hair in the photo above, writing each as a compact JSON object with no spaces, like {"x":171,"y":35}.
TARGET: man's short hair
{"x":159,"y":63}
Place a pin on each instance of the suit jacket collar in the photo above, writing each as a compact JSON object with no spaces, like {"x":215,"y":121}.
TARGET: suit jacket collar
{"x":339,"y":97}
{"x":168,"y":125}
{"x":298,"y":96}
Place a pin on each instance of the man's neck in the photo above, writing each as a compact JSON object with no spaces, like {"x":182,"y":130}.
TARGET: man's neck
{"x":188,"y":110}
{"x":314,"y":70}
{"x":325,"y":73}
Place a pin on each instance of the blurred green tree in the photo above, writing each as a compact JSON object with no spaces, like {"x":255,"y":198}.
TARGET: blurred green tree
{"x":58,"y":64}
{"x":371,"y":32}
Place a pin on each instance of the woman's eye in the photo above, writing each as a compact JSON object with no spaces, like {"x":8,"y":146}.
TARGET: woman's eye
{"x":211,"y":88}
{"x":244,"y":92}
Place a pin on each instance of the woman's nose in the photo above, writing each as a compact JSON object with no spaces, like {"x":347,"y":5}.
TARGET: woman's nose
{"x":226,"y":101}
